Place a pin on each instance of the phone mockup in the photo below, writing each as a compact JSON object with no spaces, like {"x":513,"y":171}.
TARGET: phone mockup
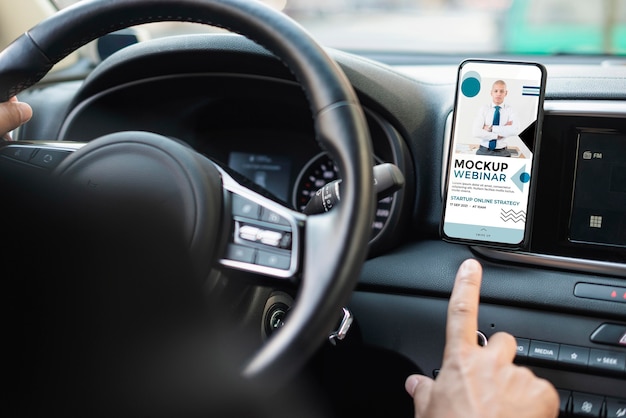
{"x":496,"y":128}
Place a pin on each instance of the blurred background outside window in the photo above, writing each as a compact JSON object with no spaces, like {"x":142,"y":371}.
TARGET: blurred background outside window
{"x":454,"y":26}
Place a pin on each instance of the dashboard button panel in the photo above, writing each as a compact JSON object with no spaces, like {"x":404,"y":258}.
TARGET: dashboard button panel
{"x":572,"y":357}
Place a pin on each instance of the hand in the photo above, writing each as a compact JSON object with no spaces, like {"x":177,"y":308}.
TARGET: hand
{"x":509,"y":123}
{"x":475,"y":381}
{"x":13,"y":113}
{"x":487,"y":128}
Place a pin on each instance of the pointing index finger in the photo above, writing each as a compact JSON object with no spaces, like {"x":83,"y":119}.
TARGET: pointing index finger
{"x":462,"y":320}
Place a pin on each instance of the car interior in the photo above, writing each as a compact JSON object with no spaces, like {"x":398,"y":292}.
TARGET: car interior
{"x":167,"y":181}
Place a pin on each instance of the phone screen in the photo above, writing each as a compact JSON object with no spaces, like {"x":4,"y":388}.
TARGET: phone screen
{"x":495,"y":131}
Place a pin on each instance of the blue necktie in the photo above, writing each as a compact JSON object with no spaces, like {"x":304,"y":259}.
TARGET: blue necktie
{"x":496,"y":121}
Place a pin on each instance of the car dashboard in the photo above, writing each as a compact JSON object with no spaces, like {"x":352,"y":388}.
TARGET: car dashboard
{"x":563,"y":298}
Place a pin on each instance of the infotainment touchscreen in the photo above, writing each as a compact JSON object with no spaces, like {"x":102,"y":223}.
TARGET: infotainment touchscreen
{"x":599,"y":200}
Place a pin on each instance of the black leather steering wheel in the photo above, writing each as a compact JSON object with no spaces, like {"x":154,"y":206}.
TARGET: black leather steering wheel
{"x":327,"y":251}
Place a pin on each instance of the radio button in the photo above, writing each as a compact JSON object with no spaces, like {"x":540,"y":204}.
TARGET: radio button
{"x":607,"y":361}
{"x":523,"y":345}
{"x":574,"y":356}
{"x":541,"y":350}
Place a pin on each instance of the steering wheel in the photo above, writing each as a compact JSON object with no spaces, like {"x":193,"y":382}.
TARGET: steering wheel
{"x":226,"y":225}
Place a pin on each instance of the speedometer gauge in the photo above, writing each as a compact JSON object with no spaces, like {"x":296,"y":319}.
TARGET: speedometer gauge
{"x":321,"y":170}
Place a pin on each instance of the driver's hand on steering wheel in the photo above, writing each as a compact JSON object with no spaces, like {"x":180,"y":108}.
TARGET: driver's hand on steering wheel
{"x":13,"y":113}
{"x":477,"y":381}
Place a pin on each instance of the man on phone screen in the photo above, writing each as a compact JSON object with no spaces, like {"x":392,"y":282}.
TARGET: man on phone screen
{"x":495,"y":122}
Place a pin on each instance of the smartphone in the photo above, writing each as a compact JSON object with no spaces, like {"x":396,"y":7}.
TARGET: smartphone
{"x":496,"y":128}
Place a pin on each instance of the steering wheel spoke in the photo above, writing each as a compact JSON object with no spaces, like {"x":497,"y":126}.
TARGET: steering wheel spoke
{"x":264,"y":236}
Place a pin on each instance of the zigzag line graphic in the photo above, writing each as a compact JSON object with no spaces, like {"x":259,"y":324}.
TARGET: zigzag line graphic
{"x":516,"y":220}
{"x":512,"y":212}
{"x":511,"y":215}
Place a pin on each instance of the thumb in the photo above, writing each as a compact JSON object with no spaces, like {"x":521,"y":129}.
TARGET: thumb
{"x":419,"y":387}
{"x":13,"y":114}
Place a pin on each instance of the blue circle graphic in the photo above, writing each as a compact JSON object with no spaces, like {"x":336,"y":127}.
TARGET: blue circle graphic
{"x":524,"y":177}
{"x":470,"y":86}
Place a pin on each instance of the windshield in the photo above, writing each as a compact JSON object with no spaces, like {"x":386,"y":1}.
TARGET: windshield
{"x":453,"y":26}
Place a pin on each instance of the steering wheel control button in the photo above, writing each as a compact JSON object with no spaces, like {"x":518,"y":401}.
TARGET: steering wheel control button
{"x":272,"y":217}
{"x":18,"y":152}
{"x":272,"y":238}
{"x":607,"y":361}
{"x":249,"y":233}
{"x":240,"y":253}
{"x":270,"y":259}
{"x":611,"y":334}
{"x":601,"y":292}
{"x":49,"y":158}
{"x":277,"y":239}
{"x":586,"y":405}
{"x":543,"y":351}
{"x":245,"y":208}
{"x":574,"y":356}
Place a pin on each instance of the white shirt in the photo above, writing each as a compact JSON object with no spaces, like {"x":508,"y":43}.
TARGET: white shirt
{"x":485,"y":117}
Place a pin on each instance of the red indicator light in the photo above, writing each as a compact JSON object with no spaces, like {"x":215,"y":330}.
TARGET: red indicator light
{"x":624,"y":295}
{"x":614,"y":294}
